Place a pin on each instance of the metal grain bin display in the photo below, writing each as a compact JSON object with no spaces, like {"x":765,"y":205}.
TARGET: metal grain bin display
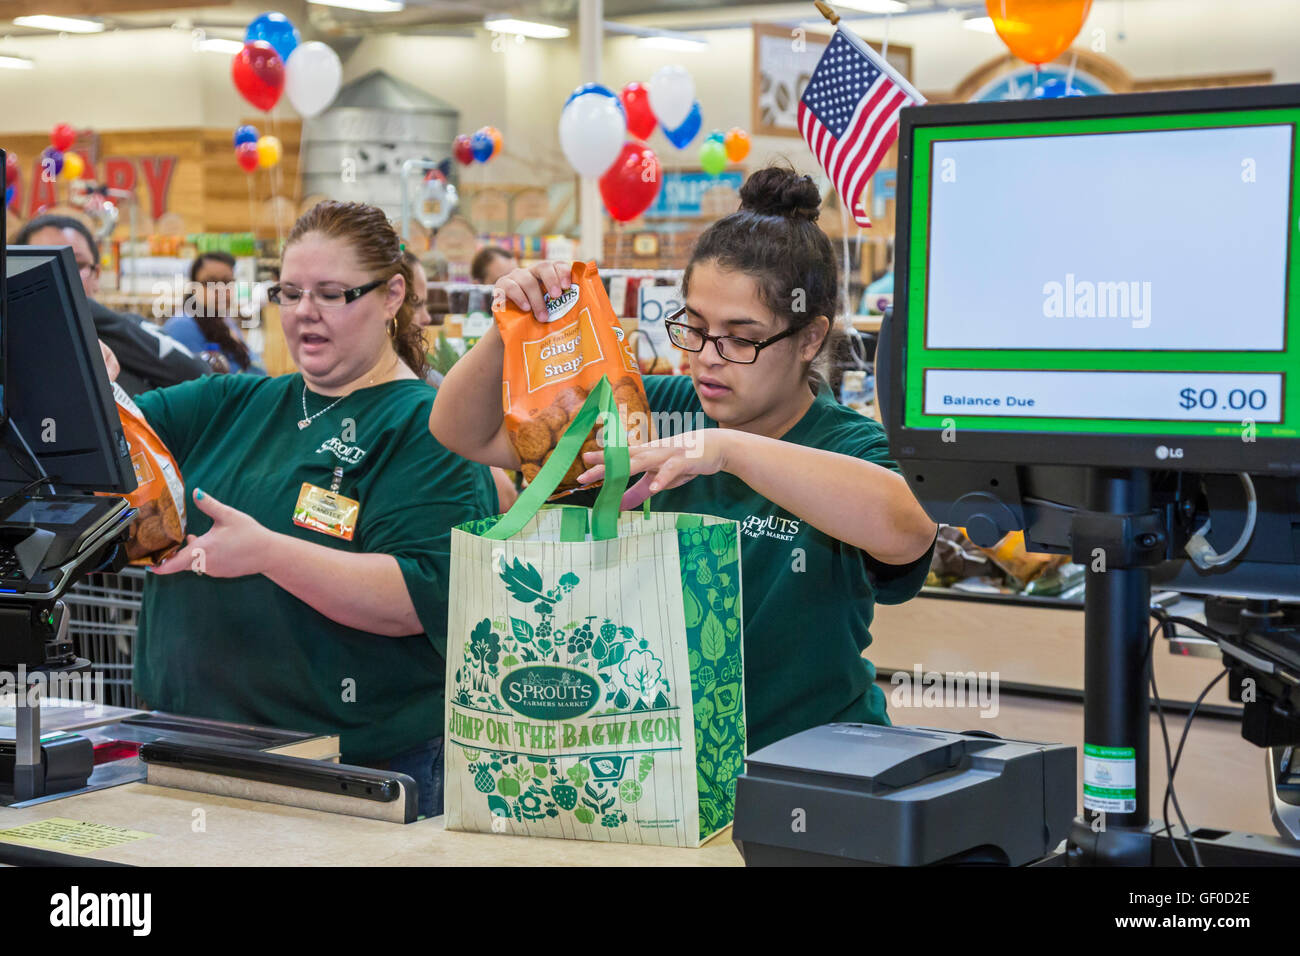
{"x":355,"y":149}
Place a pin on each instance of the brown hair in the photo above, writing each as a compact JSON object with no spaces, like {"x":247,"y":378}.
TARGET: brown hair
{"x":483,"y":258}
{"x":379,"y":250}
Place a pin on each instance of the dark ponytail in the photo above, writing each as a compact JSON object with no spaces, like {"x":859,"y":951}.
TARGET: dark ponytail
{"x":774,"y":238}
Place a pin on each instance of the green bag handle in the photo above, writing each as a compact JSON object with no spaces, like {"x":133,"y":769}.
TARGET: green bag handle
{"x":604,"y":513}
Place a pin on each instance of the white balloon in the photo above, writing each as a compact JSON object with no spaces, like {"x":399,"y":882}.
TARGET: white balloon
{"x":593,"y":129}
{"x":672,"y":93}
{"x":312,"y":77}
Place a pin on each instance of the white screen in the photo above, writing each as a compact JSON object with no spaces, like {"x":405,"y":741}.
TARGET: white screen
{"x":1172,"y":240}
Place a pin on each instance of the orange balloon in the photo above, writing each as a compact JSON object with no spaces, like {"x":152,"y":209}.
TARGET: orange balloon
{"x":496,"y":140}
{"x":737,"y":144}
{"x":1038,"y":31}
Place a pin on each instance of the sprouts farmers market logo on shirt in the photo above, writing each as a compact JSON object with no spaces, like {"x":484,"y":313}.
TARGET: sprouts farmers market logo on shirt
{"x":782,"y":529}
{"x":550,"y":693}
{"x":349,"y":454}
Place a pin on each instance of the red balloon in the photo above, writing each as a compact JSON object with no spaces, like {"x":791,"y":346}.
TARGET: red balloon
{"x":246,"y":156}
{"x":11,"y":166}
{"x":63,"y":137}
{"x":641,"y":120}
{"x":462,"y":149}
{"x":631,"y":184}
{"x":258,"y":73}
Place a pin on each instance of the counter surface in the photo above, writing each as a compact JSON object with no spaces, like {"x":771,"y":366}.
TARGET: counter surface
{"x":245,"y":833}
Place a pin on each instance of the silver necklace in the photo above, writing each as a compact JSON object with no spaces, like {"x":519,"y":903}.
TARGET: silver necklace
{"x":308,"y":419}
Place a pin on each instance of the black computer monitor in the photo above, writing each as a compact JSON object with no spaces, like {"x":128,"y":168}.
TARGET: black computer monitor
{"x":57,"y":393}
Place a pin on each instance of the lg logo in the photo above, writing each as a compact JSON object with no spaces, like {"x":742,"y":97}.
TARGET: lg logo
{"x":1163,"y":452}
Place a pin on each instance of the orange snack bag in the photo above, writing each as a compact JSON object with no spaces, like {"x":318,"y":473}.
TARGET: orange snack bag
{"x":551,"y":366}
{"x":159,"y":498}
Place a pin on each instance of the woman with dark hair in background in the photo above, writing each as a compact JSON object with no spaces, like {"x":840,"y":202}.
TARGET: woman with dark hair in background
{"x":829,"y":526}
{"x":311,"y":593}
{"x":211,"y":320}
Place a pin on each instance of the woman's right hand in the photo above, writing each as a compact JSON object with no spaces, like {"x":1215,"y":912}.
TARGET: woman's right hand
{"x":526,"y":287}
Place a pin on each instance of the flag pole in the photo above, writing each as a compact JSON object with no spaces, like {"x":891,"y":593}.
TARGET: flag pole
{"x":825,"y":10}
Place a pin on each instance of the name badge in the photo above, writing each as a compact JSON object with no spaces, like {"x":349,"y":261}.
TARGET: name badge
{"x":326,"y":511}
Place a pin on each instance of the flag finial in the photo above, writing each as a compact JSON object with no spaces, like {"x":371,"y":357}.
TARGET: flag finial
{"x":825,"y":10}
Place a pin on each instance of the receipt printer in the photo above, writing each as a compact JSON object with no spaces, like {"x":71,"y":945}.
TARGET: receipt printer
{"x":861,"y":794}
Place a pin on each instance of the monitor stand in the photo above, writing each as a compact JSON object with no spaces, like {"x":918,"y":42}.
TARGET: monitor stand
{"x":1118,"y":540}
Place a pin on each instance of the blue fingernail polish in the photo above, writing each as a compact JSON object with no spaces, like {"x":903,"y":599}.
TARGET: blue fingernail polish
{"x":198,"y":494}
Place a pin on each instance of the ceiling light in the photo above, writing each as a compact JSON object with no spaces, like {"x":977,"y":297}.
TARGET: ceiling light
{"x":874,"y":6}
{"x":219,"y":45}
{"x":979,"y":24}
{"x":9,"y":62}
{"x":366,"y":6}
{"x":60,"y":24}
{"x":683,"y":44}
{"x":526,"y":28}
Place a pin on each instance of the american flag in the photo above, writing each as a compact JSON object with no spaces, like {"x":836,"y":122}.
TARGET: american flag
{"x":849,"y":115}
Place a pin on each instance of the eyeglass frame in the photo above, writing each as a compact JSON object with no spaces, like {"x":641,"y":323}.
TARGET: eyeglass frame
{"x":349,"y":295}
{"x":709,"y":337}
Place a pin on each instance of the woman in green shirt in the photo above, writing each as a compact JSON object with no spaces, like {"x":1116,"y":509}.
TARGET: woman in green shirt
{"x":829,"y":526}
{"x":281,"y":609}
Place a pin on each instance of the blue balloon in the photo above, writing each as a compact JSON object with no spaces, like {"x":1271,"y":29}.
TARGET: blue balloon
{"x":245,"y":134}
{"x":481,"y":146}
{"x":717,"y":136}
{"x":690,"y":128}
{"x":1055,"y":88}
{"x":9,"y":195}
{"x":599,"y":91}
{"x":277,"y":30}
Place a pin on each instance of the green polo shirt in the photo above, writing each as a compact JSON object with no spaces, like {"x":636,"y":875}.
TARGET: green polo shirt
{"x":808,"y":598}
{"x":244,"y":649}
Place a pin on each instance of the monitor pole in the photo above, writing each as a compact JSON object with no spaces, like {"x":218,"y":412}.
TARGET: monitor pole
{"x":1117,"y":540}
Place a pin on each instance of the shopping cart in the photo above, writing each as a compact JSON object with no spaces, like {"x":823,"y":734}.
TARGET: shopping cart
{"x":103,"y":610}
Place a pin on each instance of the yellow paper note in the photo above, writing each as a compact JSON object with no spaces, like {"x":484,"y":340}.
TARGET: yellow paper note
{"x":70,"y":836}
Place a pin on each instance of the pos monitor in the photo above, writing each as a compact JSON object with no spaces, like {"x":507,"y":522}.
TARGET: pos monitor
{"x":58,"y":403}
{"x":1096,"y":340}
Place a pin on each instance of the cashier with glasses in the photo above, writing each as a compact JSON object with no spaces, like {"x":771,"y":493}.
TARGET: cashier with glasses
{"x":828,"y":525}
{"x":311,"y":593}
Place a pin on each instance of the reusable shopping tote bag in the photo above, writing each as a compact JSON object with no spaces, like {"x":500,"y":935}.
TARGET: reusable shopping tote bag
{"x":594,"y":668}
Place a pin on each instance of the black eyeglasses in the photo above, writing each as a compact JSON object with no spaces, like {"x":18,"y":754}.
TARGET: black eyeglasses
{"x":731,"y":347}
{"x":326,"y":297}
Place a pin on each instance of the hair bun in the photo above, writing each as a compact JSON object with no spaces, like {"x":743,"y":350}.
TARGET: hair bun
{"x":780,"y":191}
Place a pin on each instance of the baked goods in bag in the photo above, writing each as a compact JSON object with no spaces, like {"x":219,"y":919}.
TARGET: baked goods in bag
{"x":550,"y":367}
{"x":159,"y":498}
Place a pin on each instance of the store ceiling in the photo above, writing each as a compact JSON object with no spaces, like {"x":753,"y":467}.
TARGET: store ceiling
{"x":420,"y":16}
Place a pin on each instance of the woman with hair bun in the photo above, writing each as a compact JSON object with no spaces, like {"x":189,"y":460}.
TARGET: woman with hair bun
{"x":829,"y":526}
{"x":311,"y":592}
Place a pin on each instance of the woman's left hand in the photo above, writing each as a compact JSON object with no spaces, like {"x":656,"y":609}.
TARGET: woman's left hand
{"x":234,"y":546}
{"x":667,"y":463}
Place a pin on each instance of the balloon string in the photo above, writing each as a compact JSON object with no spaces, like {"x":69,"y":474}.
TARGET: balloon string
{"x":1069,"y":77}
{"x":275,"y":186}
{"x":252,"y":217}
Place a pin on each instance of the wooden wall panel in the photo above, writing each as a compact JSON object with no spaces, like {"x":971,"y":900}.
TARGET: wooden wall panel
{"x":208,"y":191}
